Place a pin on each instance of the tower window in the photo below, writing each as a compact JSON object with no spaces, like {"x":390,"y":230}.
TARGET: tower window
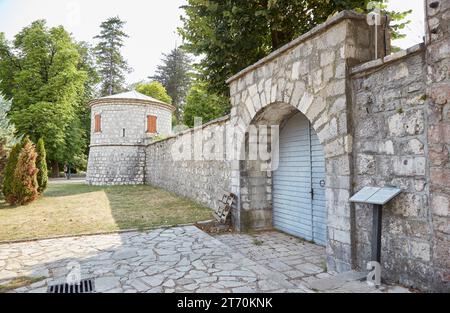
{"x":151,"y":124}
{"x":123,"y":132}
{"x":98,"y":123}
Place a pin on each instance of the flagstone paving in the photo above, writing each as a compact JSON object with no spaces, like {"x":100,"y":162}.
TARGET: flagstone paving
{"x":180,"y":259}
{"x":299,"y":261}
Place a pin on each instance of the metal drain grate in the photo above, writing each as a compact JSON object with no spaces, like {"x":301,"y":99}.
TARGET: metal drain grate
{"x":85,"y":286}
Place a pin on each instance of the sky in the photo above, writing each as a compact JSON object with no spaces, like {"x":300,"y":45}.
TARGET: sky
{"x":151,"y":24}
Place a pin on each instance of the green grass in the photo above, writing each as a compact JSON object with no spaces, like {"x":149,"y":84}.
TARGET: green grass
{"x":73,"y":209}
{"x":19,"y":282}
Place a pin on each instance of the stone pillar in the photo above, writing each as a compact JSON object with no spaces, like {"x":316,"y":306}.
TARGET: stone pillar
{"x":437,"y":22}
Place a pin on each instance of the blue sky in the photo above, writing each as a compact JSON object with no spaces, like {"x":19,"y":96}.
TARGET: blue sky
{"x":151,"y":24}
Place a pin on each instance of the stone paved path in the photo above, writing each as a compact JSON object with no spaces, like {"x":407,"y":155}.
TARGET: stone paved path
{"x":181,"y":259}
{"x":301,"y":262}
{"x":296,"y":260}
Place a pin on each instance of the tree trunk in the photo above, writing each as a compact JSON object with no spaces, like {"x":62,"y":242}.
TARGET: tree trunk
{"x":55,"y":169}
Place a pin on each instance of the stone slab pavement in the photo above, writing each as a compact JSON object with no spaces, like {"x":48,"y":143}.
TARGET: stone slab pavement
{"x":299,"y":262}
{"x":179,"y":259}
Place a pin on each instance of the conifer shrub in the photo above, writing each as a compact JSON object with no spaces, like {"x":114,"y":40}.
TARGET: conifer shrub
{"x":25,"y":185}
{"x":8,"y":174}
{"x":41,"y":164}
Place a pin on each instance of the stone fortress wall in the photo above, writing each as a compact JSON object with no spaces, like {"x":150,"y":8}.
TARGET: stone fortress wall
{"x":382,"y":122}
{"x":202,"y":180}
{"x":386,"y":116}
{"x":117,"y":153}
{"x":390,"y":145}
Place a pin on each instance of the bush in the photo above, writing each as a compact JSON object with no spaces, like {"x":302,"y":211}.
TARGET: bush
{"x":25,"y":187}
{"x":199,"y":103}
{"x":41,"y":164}
{"x":3,"y":160}
{"x":8,"y":180}
{"x":155,"y":90}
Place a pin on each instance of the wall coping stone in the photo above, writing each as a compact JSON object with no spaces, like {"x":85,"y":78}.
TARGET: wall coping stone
{"x":377,"y":64}
{"x":219,"y":120}
{"x":344,"y":15}
{"x":117,"y":145}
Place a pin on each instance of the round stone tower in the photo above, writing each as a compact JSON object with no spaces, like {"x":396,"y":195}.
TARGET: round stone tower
{"x":121,"y":126}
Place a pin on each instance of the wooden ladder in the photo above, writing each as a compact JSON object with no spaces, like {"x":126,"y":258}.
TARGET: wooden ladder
{"x":225,"y":206}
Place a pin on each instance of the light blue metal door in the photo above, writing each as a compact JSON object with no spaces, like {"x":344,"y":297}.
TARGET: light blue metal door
{"x":299,"y":182}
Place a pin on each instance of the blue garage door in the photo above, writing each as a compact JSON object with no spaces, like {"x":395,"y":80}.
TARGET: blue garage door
{"x":298,"y":183}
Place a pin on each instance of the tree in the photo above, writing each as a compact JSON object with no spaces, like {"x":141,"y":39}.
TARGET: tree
{"x":111,"y":64}
{"x":155,"y":90}
{"x":41,"y":76}
{"x":3,"y":161}
{"x":88,"y":65}
{"x":41,"y":164}
{"x":206,"y":106}
{"x":175,"y":74}
{"x":25,"y":186}
{"x":230,"y":35}
{"x":8,"y":180}
{"x":7,"y":130}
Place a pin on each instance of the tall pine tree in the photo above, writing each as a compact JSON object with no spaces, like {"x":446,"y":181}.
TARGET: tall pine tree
{"x":175,"y":74}
{"x":111,"y":64}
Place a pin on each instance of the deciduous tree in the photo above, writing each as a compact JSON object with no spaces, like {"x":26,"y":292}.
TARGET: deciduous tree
{"x":230,"y":35}
{"x":41,"y":75}
{"x":87,"y":64}
{"x":199,"y":103}
{"x":155,"y":90}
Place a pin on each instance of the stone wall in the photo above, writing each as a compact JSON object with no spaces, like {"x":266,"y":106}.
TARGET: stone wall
{"x":390,"y":146}
{"x":117,"y":153}
{"x":116,"y":165}
{"x":132,"y":118}
{"x":307,"y":75}
{"x":174,"y":164}
{"x":438,"y":109}
{"x":382,"y":122}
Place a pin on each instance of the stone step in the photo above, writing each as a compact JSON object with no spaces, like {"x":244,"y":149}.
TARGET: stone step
{"x":337,"y":281}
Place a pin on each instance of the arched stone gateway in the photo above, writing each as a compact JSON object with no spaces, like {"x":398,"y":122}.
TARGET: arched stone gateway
{"x":378,"y":122}
{"x":309,"y":76}
{"x":286,"y":191}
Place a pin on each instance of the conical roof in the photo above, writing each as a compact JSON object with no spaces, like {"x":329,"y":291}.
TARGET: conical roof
{"x":131,"y":96}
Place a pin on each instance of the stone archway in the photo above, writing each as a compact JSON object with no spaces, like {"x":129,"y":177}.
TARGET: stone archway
{"x":264,"y":181}
{"x":309,"y":75}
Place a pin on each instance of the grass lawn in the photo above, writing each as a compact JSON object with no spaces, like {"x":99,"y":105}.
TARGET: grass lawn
{"x":71,"y":209}
{"x":19,"y":282}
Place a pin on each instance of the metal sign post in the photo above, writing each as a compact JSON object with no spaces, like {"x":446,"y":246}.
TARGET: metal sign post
{"x":376,"y":233}
{"x":378,"y":197}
